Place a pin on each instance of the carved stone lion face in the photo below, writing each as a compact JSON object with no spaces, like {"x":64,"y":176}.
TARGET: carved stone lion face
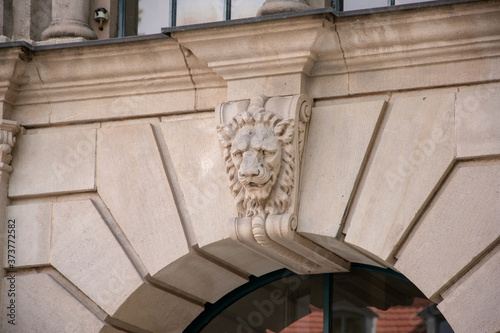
{"x":259,"y":158}
{"x":256,"y":154}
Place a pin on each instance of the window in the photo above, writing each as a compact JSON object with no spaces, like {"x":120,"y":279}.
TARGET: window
{"x":143,"y":17}
{"x":365,"y":300}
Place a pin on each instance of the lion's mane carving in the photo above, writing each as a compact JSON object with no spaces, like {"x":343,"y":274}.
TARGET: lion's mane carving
{"x":259,"y":158}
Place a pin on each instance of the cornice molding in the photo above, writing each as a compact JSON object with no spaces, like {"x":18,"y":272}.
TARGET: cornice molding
{"x":250,"y":52}
{"x":303,"y":52}
{"x":110,"y":72}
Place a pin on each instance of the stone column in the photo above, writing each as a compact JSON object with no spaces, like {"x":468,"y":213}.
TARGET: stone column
{"x":282,"y":6}
{"x":8,"y":130}
{"x":69,"y":20}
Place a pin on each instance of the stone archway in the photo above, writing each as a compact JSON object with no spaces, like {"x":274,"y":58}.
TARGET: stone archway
{"x":127,"y":249}
{"x":121,"y":206}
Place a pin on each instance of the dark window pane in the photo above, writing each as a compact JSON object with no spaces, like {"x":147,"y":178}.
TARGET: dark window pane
{"x":292,"y":304}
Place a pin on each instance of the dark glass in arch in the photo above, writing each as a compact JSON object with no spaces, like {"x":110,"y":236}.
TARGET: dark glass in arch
{"x":361,"y":301}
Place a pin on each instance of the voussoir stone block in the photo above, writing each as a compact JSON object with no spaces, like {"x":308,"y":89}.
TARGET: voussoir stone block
{"x":200,"y":277}
{"x":32,"y":231}
{"x":338,"y":143}
{"x":53,"y":163}
{"x":413,"y":152}
{"x":461,"y":222}
{"x":199,"y":167}
{"x":86,"y":252}
{"x":133,"y":184}
{"x":155,"y":310}
{"x":477,"y":121}
{"x":471,"y":304}
{"x":197,"y":159}
{"x":43,"y":305}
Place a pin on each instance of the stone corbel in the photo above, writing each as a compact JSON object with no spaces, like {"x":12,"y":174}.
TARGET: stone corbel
{"x":263,"y":141}
{"x":8,"y":130}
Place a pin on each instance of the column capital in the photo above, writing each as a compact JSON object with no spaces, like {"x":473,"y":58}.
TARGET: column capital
{"x":8,"y":130}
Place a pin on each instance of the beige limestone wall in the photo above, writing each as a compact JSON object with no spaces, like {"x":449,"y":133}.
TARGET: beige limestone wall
{"x":121,"y":200}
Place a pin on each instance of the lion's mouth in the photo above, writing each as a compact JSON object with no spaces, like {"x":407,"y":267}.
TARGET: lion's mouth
{"x":260,"y":185}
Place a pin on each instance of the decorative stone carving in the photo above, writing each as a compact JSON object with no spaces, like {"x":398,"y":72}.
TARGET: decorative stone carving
{"x":8,"y":130}
{"x":259,"y":158}
{"x":263,"y":141}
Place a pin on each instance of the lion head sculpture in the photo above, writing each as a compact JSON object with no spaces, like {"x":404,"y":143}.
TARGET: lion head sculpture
{"x":259,"y":158}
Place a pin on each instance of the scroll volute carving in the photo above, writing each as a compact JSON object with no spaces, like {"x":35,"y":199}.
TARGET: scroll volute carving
{"x":263,"y":142}
{"x":8,"y":130}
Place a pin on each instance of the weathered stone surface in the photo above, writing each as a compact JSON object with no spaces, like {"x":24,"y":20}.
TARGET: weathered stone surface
{"x":133,"y":121}
{"x":413,"y":152}
{"x":240,"y":256}
{"x":199,"y":167}
{"x":197,"y":159}
{"x":155,"y":310}
{"x":88,"y":254}
{"x":471,"y":304}
{"x":265,"y":59}
{"x":339,"y":138}
{"x":134,"y":84}
{"x":132,"y":182}
{"x":53,"y":163}
{"x":119,"y":107}
{"x":32,"y":231}
{"x":42,"y":305}
{"x":110,"y":329}
{"x":200,"y":277}
{"x":477,"y":121}
{"x":460,"y":223}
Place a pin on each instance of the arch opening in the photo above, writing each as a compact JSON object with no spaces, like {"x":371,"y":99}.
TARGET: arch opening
{"x":366,"y":300}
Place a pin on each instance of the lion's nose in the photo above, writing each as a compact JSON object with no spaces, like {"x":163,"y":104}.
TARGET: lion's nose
{"x":250,"y":166}
{"x":249,"y":172}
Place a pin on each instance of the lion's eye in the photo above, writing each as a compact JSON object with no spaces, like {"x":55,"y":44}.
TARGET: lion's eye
{"x":267,"y":153}
{"x":237,"y":154}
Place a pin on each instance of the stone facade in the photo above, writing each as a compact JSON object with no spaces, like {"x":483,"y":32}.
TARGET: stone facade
{"x":114,"y":182}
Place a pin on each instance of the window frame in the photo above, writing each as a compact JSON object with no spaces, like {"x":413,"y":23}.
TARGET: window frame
{"x":213,"y":310}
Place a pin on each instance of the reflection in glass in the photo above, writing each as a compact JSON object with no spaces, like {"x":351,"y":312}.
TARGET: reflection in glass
{"x":291,"y":305}
{"x":245,"y":8}
{"x":361,"y":301}
{"x":199,"y":11}
{"x":363,"y":4}
{"x":152,"y":16}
